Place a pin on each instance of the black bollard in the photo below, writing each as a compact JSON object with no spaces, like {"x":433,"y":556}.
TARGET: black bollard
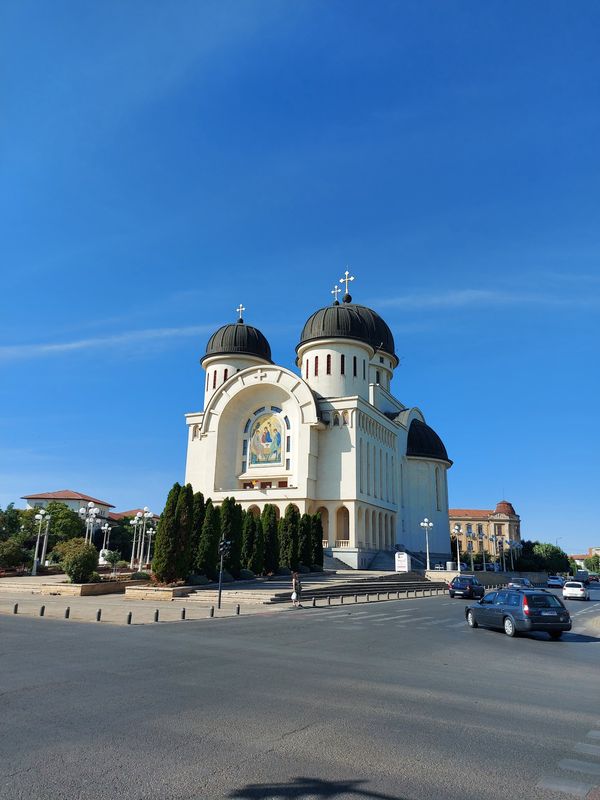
{"x":16,"y":608}
{"x":328,"y":600}
{"x":388,"y":595}
{"x":356,"y":598}
{"x":98,"y":615}
{"x":237,"y":610}
{"x":314,"y":602}
{"x":342,"y":600}
{"x":398,"y":595}
{"x":129,"y":616}
{"x":67,"y":612}
{"x":183,"y":613}
{"x":211,"y":611}
{"x":156,"y":615}
{"x":42,"y":610}
{"x":378,"y":596}
{"x":368,"y":599}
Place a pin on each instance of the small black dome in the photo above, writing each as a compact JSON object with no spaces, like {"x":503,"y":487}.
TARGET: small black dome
{"x":238,"y":339}
{"x":349,"y":321}
{"x":424,"y":442}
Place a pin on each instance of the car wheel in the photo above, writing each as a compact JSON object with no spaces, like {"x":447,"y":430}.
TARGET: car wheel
{"x":555,"y":635}
{"x":471,"y":620}
{"x":509,"y":627}
{"x":451,"y":594}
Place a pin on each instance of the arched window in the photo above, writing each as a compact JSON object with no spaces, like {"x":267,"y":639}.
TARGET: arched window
{"x":225,"y":375}
{"x":364,"y":369}
{"x":316,"y":365}
{"x":354,"y":366}
{"x":377,"y":377}
{"x":207,"y":380}
{"x":336,"y":420}
{"x":343,"y":365}
{"x":329,"y":364}
{"x":307,"y":367}
{"x":215,"y":379}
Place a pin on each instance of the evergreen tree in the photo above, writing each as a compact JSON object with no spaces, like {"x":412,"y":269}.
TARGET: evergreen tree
{"x":207,"y":557}
{"x":199,"y":509}
{"x":248,"y":534}
{"x":234,"y":560}
{"x":305,"y":540}
{"x":271,"y":540}
{"x":165,"y":547}
{"x":283,"y":542}
{"x":317,"y":541}
{"x":288,"y":537}
{"x":185,"y":518}
{"x":257,"y":562}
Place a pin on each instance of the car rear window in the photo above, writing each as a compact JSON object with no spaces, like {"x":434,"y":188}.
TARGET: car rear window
{"x":543,"y":601}
{"x":573,"y":585}
{"x":463,"y":582}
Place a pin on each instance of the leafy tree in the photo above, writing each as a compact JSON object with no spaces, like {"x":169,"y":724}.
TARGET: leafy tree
{"x":64,"y":524}
{"x":592,"y":563}
{"x":257,"y":562}
{"x":113,"y":558}
{"x":269,"y":525}
{"x":12,"y":554}
{"x":305,"y":540}
{"x":121,"y":538}
{"x":288,"y":537}
{"x":79,"y":560}
{"x":184,"y":514}
{"x":231,"y":530}
{"x":248,"y":536}
{"x":164,"y":563}
{"x":553,"y":558}
{"x":316,"y":541}
{"x":10,"y":522}
{"x":207,"y":556}
{"x":199,"y":510}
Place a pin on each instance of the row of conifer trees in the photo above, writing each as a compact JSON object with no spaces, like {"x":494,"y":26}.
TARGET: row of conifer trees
{"x":190,"y":528}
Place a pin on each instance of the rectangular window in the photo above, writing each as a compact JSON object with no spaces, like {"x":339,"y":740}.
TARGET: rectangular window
{"x":329,"y":365}
{"x":343,"y":365}
{"x":287,"y":463}
{"x":469,"y":528}
{"x":381,"y":359}
{"x":248,"y":485}
{"x":377,"y":377}
{"x":288,"y":443}
{"x":282,"y":484}
{"x":245,"y":447}
{"x":316,"y":366}
{"x":225,"y":375}
{"x":364,"y":369}
{"x":287,"y":422}
{"x":307,"y":367}
{"x":480,"y":529}
{"x":266,"y":485}
{"x":215,"y":379}
{"x":354,"y":366}
{"x":243,"y":466}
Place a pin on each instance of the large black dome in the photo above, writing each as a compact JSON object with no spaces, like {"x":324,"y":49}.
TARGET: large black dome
{"x":424,"y":442}
{"x":349,"y":321}
{"x":238,"y":339}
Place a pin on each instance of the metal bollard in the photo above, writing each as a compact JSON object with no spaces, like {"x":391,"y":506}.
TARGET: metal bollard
{"x":388,"y":595}
{"x":67,"y":612}
{"x":356,"y":598}
{"x":398,"y":595}
{"x":129,"y":616}
{"x":378,"y":596}
{"x":237,"y":609}
{"x":368,"y":599}
{"x":328,"y":600}
{"x":183,"y":613}
{"x":16,"y":608}
{"x":211,"y":611}
{"x":156,"y":615}
{"x":342,"y":600}
{"x":98,"y":615}
{"x":314,"y":602}
{"x":42,"y":610}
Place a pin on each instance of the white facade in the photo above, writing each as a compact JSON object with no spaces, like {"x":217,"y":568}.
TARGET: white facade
{"x":330,"y":439}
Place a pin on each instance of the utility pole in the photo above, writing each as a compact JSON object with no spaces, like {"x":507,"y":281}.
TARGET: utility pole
{"x":224,"y":550}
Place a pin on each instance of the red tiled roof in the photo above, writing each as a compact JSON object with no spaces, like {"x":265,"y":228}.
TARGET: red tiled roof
{"x":579,"y":556}
{"x":132,"y":513}
{"x":474,"y":513}
{"x":66,"y":494}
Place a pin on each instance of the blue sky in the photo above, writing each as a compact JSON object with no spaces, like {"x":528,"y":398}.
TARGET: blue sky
{"x":164,"y":161}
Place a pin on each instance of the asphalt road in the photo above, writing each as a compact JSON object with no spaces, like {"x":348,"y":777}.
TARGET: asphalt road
{"x":394,"y":700}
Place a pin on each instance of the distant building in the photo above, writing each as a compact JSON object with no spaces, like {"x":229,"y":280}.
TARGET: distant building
{"x":579,"y":558}
{"x":484,"y":527}
{"x":73,"y":500}
{"x":118,"y":516}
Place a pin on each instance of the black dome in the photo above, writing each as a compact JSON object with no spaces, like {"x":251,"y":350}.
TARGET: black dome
{"x":349,"y":321}
{"x":238,"y":339}
{"x":424,"y":442}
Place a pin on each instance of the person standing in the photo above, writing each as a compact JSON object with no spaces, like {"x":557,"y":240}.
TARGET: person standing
{"x":296,"y":590}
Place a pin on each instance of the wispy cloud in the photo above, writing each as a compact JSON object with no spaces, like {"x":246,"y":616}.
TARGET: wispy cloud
{"x":463,"y":298}
{"x":19,"y":352}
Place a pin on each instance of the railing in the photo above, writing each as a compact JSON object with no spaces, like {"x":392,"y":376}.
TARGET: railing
{"x":342,"y":543}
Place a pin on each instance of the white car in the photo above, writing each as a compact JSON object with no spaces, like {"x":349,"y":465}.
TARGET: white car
{"x":575,"y":590}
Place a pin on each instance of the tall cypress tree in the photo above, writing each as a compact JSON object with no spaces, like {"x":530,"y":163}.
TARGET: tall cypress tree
{"x":305,"y":540}
{"x":234,"y":561}
{"x":288,"y":537}
{"x":165,"y":547}
{"x":208,"y":552}
{"x":257,"y":562}
{"x":269,"y":526}
{"x":248,"y":536}
{"x":284,"y":543}
{"x":185,"y":517}
{"x":199,"y":507}
{"x":317,"y":541}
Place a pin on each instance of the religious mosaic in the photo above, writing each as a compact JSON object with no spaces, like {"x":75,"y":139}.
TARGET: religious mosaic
{"x":265,"y":440}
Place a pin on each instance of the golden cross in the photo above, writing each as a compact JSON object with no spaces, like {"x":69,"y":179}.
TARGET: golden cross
{"x":335,"y":292}
{"x":239,"y":310}
{"x":347,"y":279}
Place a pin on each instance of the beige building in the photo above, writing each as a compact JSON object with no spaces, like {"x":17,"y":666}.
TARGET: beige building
{"x":485,"y":529}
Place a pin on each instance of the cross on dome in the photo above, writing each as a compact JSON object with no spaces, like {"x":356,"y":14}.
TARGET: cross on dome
{"x":335,"y":291}
{"x":239,"y":310}
{"x":346,"y":279}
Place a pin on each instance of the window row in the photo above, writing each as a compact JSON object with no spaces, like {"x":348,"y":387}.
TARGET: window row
{"x":328,"y":366}
{"x":377,"y":472}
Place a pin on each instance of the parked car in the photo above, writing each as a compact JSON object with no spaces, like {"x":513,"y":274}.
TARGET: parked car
{"x":519,"y":583}
{"x":575,"y":590}
{"x":465,"y":586}
{"x":520,"y":610}
{"x":555,"y":582}
{"x":593,"y":578}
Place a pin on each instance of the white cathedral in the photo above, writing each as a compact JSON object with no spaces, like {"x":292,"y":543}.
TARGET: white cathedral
{"x":330,"y":438}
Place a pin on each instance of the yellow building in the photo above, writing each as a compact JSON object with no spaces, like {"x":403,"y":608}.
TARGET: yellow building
{"x":485,"y":529}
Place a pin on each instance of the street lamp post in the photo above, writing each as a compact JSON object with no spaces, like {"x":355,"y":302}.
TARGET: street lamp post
{"x":151,"y":532}
{"x":144,"y":516}
{"x":501,"y":546}
{"x":89,"y":514}
{"x":106,"y":531}
{"x":427,"y":526}
{"x":135,"y":523}
{"x":482,"y":540}
{"x":457,"y":533}
{"x":39,"y":518}
{"x":470,"y":549}
{"x":47,"y":519}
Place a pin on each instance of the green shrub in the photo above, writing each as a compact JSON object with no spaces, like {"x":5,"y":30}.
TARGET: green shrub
{"x":11,"y":554}
{"x":122,"y":564}
{"x":303,"y":569}
{"x":284,"y":571}
{"x":198,"y":580}
{"x":95,"y":577}
{"x":247,"y":575}
{"x":141,"y":576}
{"x":316,"y":568}
{"x":79,"y":560}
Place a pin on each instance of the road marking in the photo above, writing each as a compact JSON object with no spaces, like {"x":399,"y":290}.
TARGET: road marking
{"x":575,"y":765}
{"x":457,"y":624}
{"x":588,"y":749}
{"x":395,"y":616}
{"x":574,"y":788}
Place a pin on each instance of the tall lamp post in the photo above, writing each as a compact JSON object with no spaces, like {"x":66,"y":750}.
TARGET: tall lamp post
{"x":144,"y":516}
{"x":47,"y":519}
{"x":106,"y":531}
{"x":457,"y":534}
{"x":135,"y":523}
{"x":427,"y":526}
{"x":481,"y":537}
{"x":151,"y":532}
{"x":39,"y":518}
{"x":89,"y":514}
{"x":501,"y":546}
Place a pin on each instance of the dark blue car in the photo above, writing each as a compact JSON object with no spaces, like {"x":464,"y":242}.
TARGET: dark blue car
{"x":520,"y":611}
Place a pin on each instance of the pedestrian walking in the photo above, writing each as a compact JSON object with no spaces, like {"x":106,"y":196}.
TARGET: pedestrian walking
{"x":296,"y":590}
